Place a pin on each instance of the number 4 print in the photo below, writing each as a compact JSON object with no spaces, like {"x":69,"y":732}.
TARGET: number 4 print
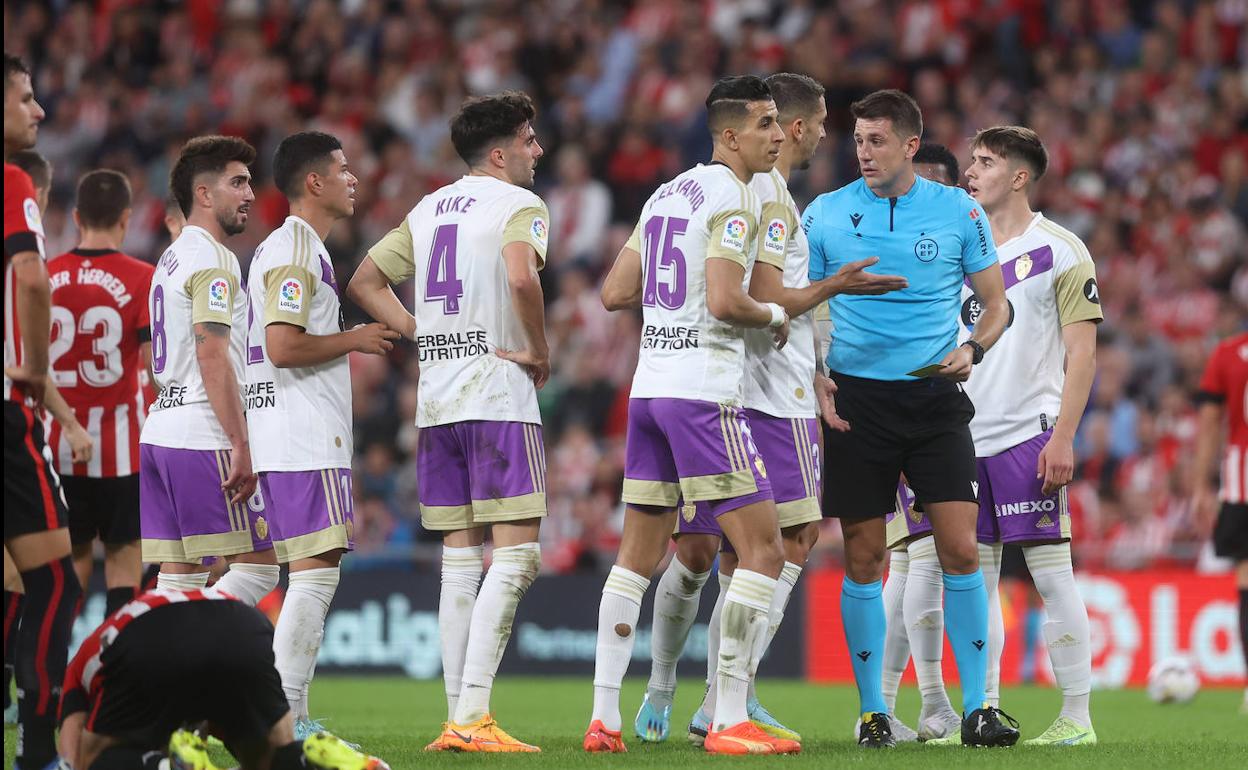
{"x":442,"y":282}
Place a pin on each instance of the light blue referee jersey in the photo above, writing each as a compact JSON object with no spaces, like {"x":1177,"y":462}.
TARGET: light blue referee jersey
{"x":934,"y":235}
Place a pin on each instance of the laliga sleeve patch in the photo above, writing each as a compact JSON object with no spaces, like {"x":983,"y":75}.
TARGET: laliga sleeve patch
{"x":33,"y":220}
{"x":538,"y":230}
{"x":735,"y":233}
{"x":774,"y":239}
{"x":290,"y":296}
{"x":219,"y":295}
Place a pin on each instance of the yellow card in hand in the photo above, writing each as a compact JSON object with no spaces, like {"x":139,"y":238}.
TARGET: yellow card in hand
{"x":926,"y":371}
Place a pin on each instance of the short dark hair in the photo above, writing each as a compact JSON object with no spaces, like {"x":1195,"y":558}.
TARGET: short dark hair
{"x":897,"y":106}
{"x":35,"y":165}
{"x":796,"y":95}
{"x":484,"y":120}
{"x":728,"y":102}
{"x":939,"y":155}
{"x":13,"y":66}
{"x":297,"y":155}
{"x":205,"y":155}
{"x":1015,"y":143}
{"x":103,"y":195}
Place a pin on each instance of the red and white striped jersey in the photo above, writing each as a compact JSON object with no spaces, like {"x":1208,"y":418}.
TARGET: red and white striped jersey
{"x":82,"y":676}
{"x":1226,"y":381}
{"x":99,"y":324}
{"x":23,"y":231}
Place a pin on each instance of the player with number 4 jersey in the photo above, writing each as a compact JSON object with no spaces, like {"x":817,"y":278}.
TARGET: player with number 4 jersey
{"x":474,"y":248}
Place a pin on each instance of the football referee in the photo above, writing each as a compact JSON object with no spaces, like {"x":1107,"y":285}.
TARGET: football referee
{"x":896,"y":364}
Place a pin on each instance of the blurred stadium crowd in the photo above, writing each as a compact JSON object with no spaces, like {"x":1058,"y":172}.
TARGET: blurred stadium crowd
{"x":1143,"y":106}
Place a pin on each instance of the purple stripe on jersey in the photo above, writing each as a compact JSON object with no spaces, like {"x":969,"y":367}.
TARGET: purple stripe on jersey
{"x":327,"y":275}
{"x":1024,"y":266}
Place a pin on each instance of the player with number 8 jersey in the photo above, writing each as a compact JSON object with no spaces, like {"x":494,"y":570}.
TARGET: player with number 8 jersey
{"x":195,"y":458}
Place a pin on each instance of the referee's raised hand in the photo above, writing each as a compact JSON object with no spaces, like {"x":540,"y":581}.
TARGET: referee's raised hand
{"x":853,"y":278}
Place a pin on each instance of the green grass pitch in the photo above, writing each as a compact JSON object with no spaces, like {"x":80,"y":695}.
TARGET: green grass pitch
{"x":395,"y":717}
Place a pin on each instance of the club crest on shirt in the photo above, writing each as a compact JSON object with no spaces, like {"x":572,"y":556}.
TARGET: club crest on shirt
{"x":290,"y":296}
{"x":735,"y":230}
{"x":1022,"y":267}
{"x":262,"y":528}
{"x":773,"y":241}
{"x":219,"y":295}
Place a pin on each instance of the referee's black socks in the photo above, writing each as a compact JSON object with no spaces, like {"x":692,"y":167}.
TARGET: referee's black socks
{"x":52,"y":591}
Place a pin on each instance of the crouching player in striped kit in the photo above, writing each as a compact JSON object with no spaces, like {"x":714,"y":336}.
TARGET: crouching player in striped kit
{"x":169,"y":660}
{"x":299,"y":399}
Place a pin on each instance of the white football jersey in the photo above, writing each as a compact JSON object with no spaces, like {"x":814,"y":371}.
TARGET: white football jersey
{"x":686,"y":352}
{"x":1050,"y":281}
{"x":452,"y":244}
{"x":779,"y":382}
{"x":299,"y":418}
{"x":197,"y":281}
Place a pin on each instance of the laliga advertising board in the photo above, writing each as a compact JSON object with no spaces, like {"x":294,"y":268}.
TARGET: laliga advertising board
{"x":1137,"y":619}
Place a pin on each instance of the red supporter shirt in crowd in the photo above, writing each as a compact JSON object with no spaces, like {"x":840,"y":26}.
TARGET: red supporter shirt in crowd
{"x":1226,"y":381}
{"x":99,"y":325}
{"x":23,"y":231}
{"x":83,"y":684}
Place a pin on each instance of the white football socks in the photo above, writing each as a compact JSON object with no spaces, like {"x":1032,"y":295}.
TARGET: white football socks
{"x":676,"y":602}
{"x":617,"y":630}
{"x":780,"y":601}
{"x":746,"y":610}
{"x":712,"y":644}
{"x":990,"y":565}
{"x":896,"y":641}
{"x":925,"y":622}
{"x":461,"y":575}
{"x":250,"y":583}
{"x":513,"y":570}
{"x":1066,"y":632}
{"x":300,"y":629}
{"x":190,"y":581}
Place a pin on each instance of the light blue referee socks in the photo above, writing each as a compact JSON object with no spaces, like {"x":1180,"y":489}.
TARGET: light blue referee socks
{"x":862,"y":616}
{"x":966,"y":623}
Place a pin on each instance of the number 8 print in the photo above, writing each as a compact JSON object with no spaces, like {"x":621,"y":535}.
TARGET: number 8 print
{"x":160,"y":347}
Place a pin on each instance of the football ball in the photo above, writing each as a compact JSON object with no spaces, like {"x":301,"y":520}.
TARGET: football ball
{"x":1173,"y":680}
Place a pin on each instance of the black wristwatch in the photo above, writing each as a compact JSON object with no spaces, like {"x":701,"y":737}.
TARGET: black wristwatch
{"x":977,"y":351}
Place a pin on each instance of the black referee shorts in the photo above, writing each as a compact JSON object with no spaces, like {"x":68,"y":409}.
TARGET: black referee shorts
{"x":184,"y":663}
{"x":1230,"y":533}
{"x":32,"y":491}
{"x":917,"y":427}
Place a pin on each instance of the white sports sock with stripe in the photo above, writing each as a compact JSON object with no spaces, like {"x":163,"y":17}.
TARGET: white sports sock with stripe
{"x":746,"y":610}
{"x":775,"y":616}
{"x":300,"y":629}
{"x":461,"y":576}
{"x":250,"y":583}
{"x":676,"y":600}
{"x":896,"y":640}
{"x":617,"y":630}
{"x":1067,"y":631}
{"x":990,"y":565}
{"x":712,"y":644}
{"x":512,"y":572}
